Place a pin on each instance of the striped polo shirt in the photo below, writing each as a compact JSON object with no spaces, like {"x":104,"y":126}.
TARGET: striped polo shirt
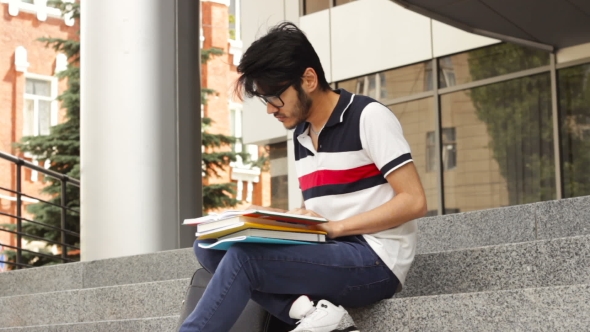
{"x":361,"y":143}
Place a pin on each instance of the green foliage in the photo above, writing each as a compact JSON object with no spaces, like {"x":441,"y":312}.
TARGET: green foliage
{"x":210,"y":52}
{"x":62,"y":148}
{"x":574,"y":97}
{"x":517,"y":114}
{"x":217,"y":154}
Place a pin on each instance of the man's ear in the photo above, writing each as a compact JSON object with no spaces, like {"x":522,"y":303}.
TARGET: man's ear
{"x":310,"y":80}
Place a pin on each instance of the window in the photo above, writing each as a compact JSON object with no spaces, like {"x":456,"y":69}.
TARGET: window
{"x":574,"y":120}
{"x":416,"y":118}
{"x":505,"y":131}
{"x":449,"y":150}
{"x":312,"y":6}
{"x":236,"y":131}
{"x":486,"y":62}
{"x":38,"y":116}
{"x":394,"y":83}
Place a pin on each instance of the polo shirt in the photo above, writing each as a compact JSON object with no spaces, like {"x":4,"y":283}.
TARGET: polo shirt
{"x":361,"y":143}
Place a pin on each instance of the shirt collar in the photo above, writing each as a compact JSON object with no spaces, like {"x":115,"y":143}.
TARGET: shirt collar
{"x":337,"y":115}
{"x":344,"y":102}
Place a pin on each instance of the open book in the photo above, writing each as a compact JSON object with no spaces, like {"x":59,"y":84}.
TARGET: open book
{"x":276,"y":216}
{"x":250,"y":223}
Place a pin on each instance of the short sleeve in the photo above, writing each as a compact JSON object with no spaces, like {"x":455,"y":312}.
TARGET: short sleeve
{"x":383,"y":139}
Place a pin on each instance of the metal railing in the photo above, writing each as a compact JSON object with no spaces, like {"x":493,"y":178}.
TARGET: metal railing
{"x":18,"y":215}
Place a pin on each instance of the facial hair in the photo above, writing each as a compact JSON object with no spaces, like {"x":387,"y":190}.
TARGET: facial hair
{"x":302,"y":109}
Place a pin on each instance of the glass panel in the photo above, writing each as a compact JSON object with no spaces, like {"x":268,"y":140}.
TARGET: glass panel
{"x":574,"y":117}
{"x":29,"y":118}
{"x":355,"y":85}
{"x":417,"y":120}
{"x":488,"y":62}
{"x":38,"y":87}
{"x":503,"y":145}
{"x":312,"y":6}
{"x":407,"y":80}
{"x":44,"y":117}
{"x":341,"y":2}
{"x":393,"y":83}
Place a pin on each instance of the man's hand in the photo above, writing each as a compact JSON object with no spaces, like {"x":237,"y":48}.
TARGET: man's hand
{"x":329,"y":227}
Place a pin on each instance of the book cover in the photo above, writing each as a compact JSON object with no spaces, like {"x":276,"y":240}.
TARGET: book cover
{"x":277,"y":216}
{"x":228,"y":242}
{"x":220,"y":232}
{"x":296,"y":236}
{"x":215,"y":224}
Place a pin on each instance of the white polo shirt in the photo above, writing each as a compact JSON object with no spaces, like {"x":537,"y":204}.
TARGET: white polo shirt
{"x":361,"y":143}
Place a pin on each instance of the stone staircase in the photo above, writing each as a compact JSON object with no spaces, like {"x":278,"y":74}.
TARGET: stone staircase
{"x":522,"y":268}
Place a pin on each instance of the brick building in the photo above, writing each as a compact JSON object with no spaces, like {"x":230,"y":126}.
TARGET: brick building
{"x":221,"y":29}
{"x":28,"y":89}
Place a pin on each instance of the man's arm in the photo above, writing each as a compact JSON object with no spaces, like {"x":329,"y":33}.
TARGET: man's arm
{"x":408,"y":203}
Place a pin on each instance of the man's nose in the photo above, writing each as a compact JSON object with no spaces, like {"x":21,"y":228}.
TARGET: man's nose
{"x":271,"y":109}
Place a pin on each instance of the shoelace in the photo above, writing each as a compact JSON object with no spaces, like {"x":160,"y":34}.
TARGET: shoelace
{"x":308,"y":314}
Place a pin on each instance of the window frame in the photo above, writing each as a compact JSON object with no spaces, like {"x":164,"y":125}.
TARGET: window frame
{"x":53,"y":111}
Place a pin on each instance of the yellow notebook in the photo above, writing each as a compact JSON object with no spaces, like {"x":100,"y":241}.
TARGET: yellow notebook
{"x":219,"y":232}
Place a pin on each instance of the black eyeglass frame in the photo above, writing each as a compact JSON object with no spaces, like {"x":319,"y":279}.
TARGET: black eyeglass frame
{"x":265,"y":98}
{"x":277,"y":95}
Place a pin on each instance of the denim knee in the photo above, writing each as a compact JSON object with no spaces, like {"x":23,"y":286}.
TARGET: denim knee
{"x":208,"y":258}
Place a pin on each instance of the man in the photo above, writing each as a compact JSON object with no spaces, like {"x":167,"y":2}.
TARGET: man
{"x":354,"y":168}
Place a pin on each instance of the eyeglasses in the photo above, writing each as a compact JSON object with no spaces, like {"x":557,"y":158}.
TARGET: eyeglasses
{"x":275,"y":99}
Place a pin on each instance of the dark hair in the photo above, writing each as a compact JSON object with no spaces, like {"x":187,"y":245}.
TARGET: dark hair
{"x":278,"y":58}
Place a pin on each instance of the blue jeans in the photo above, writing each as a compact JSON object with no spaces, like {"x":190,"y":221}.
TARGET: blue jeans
{"x":345,"y":272}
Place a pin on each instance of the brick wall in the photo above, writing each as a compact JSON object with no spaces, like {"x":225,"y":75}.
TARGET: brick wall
{"x":22,"y":30}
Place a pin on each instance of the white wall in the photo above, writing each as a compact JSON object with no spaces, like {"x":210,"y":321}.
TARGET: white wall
{"x":374,"y":35}
{"x":448,"y":40}
{"x":257,"y":17}
{"x":317,"y":29}
{"x":573,"y":53}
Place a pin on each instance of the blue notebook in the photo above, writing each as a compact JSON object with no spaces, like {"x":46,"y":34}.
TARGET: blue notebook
{"x":226,"y":243}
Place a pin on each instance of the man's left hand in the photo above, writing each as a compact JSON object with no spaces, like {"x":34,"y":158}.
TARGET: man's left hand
{"x":330,"y":227}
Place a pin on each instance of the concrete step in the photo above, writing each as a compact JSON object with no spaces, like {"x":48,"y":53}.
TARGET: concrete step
{"x":158,"y":324}
{"x":517,"y":224}
{"x":160,"y":266}
{"x":522,"y":223}
{"x":136,"y":301}
{"x":545,"y":263}
{"x":551,"y":309}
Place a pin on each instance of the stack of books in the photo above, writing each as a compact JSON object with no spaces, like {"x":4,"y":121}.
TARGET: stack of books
{"x":256,"y":226}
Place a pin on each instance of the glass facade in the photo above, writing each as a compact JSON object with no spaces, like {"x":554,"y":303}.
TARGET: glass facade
{"x":417,"y":120}
{"x":391,"y":84}
{"x":504,"y":144}
{"x":574,"y":119}
{"x":491,"y":144}
{"x":487,"y":62}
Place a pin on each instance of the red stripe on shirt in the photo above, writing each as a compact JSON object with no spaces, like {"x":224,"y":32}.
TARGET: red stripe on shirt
{"x":326,"y":177}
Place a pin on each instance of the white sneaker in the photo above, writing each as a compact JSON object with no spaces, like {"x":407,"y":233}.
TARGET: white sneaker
{"x":324,"y":317}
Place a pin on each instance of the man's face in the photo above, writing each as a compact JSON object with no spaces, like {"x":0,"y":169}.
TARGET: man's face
{"x":295,"y":110}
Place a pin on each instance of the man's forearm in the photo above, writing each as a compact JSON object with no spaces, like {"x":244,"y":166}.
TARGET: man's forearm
{"x":399,"y":210}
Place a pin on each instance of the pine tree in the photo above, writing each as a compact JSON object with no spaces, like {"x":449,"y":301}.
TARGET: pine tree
{"x":62,"y":148}
{"x":216,"y":156}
